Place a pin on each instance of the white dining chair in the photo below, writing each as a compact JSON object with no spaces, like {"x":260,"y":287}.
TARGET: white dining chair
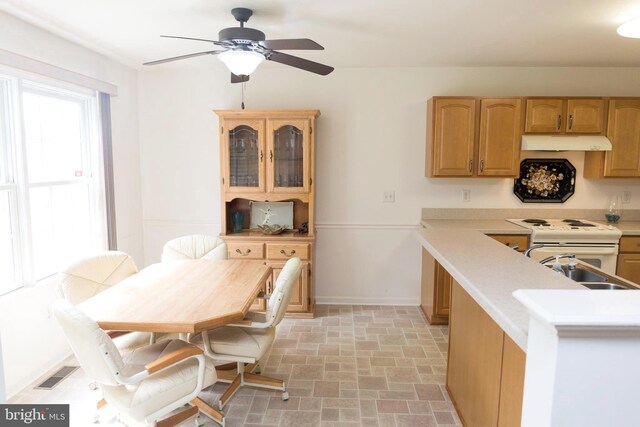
{"x":195,"y":246}
{"x":146,"y":384}
{"x":91,"y":275}
{"x":249,"y":341}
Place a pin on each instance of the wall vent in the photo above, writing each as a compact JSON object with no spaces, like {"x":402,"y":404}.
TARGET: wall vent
{"x":56,"y":378}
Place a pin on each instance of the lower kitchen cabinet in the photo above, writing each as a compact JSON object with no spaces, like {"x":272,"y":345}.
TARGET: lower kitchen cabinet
{"x":629,"y":259}
{"x":435,"y":290}
{"x":435,"y":293}
{"x":485,"y":368}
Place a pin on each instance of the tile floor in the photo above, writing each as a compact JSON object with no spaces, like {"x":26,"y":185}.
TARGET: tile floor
{"x":350,"y":366}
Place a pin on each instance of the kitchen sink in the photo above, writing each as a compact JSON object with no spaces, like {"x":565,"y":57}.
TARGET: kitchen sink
{"x":594,"y":279}
{"x":605,"y":285}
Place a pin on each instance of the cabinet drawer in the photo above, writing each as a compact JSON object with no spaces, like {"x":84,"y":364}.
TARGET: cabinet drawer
{"x":288,"y":250}
{"x":630,"y":244}
{"x":252,"y":250}
{"x":512,"y":239}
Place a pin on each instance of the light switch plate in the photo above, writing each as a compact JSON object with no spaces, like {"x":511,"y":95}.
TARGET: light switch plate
{"x":466,"y":195}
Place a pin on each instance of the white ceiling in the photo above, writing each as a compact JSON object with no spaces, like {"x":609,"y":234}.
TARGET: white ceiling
{"x":356,"y":33}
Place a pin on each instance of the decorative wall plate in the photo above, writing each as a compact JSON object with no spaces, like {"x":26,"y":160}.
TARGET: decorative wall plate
{"x":271,"y":213}
{"x":545,"y":181}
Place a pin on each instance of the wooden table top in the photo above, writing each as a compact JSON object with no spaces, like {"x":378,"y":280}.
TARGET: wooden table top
{"x":179,"y":296}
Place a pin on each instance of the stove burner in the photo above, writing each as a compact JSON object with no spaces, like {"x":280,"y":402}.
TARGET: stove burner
{"x":580,"y":224}
{"x":535,"y":221}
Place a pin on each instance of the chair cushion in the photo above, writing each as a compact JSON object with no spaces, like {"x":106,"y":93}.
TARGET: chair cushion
{"x":92,"y":275}
{"x":160,"y":389}
{"x":245,"y":342}
{"x":197,"y":246}
{"x":132,"y":340}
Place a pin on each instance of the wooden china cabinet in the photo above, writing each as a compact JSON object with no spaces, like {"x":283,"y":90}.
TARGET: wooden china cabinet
{"x":269,"y":156}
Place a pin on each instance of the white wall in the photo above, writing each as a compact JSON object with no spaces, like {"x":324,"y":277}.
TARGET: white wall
{"x":32,"y":342}
{"x":371,"y":137}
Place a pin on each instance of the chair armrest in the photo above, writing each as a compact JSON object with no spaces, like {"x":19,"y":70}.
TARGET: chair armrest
{"x":172,"y":358}
{"x":116,"y":334}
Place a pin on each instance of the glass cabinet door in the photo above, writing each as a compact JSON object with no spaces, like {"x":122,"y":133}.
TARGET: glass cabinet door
{"x":289,"y":162}
{"x":243,"y":149}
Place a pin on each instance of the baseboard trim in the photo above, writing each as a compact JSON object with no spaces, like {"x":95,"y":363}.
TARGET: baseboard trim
{"x":414,"y":302}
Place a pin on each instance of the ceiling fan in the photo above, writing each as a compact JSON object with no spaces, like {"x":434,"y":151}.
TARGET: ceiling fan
{"x":243,"y":49}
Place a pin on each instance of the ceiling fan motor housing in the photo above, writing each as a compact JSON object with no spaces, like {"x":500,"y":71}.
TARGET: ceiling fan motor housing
{"x":241,"y":35}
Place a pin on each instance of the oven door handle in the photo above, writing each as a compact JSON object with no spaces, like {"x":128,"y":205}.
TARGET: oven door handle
{"x":578,"y":250}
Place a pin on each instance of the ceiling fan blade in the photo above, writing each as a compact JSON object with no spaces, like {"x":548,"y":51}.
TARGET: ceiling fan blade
{"x":303,"y":64}
{"x":191,"y":38}
{"x":239,"y":79}
{"x":176,"y":58}
{"x":291,"y":44}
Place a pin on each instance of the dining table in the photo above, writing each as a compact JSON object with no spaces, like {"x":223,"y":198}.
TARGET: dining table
{"x":184,"y":296}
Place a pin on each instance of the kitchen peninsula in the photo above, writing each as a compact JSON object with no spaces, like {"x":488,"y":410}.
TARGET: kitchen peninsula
{"x":489,"y":335}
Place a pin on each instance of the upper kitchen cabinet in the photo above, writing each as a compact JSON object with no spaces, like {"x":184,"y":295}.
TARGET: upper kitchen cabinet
{"x":623,"y":130}
{"x":499,"y":142}
{"x":585,"y":116}
{"x":565,"y":116}
{"x":544,"y":115}
{"x":469,"y":137}
{"x":451,"y":136}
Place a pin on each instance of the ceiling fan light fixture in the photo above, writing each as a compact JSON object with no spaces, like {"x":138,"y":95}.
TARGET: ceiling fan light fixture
{"x":241,"y":62}
{"x":630,"y":28}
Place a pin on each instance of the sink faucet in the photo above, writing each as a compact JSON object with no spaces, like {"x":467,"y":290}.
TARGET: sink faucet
{"x":572,"y":260}
{"x":527,"y":253}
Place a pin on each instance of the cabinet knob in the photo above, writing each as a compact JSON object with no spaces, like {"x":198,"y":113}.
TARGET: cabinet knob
{"x":261,"y":156}
{"x":570,"y":121}
{"x":245,"y":253}
{"x":271,"y":155}
{"x":481,"y":165}
{"x":470,"y":165}
{"x":283,"y":252}
{"x":559,"y":121}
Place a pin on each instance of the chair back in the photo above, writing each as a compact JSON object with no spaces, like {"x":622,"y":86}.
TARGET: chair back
{"x":85,"y":338}
{"x":196,"y":246}
{"x":281,"y":295}
{"x":92,"y":275}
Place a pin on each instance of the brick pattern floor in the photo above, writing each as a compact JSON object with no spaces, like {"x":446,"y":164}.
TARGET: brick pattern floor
{"x":350,"y":366}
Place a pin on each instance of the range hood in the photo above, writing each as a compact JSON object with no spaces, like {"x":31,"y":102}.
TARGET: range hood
{"x":565,"y":143}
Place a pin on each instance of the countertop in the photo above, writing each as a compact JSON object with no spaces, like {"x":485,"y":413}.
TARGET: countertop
{"x":486,"y":226}
{"x":490,"y":272}
{"x":502,"y":226}
{"x":629,"y":228}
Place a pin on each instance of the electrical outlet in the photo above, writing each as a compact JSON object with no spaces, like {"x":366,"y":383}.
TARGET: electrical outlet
{"x":389,"y":196}
{"x":626,"y":197}
{"x":466,"y":195}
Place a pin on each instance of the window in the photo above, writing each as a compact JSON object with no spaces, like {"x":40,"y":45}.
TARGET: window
{"x":52,"y":207}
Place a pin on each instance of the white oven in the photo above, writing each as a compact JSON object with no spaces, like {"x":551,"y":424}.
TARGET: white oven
{"x":604,"y":257}
{"x":591,"y":242}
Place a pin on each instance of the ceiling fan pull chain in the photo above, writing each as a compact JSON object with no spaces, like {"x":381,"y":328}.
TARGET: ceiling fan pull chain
{"x":243,"y":86}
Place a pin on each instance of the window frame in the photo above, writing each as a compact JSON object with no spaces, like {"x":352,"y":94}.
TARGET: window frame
{"x":14,"y":170}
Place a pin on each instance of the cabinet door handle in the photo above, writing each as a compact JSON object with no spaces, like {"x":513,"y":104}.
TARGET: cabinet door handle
{"x":481,"y":165}
{"x":470,"y":165}
{"x":245,"y":253}
{"x":559,"y":121}
{"x":282,"y":251}
{"x":261,"y":156}
{"x":271,"y":155}
{"x":570,"y":122}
